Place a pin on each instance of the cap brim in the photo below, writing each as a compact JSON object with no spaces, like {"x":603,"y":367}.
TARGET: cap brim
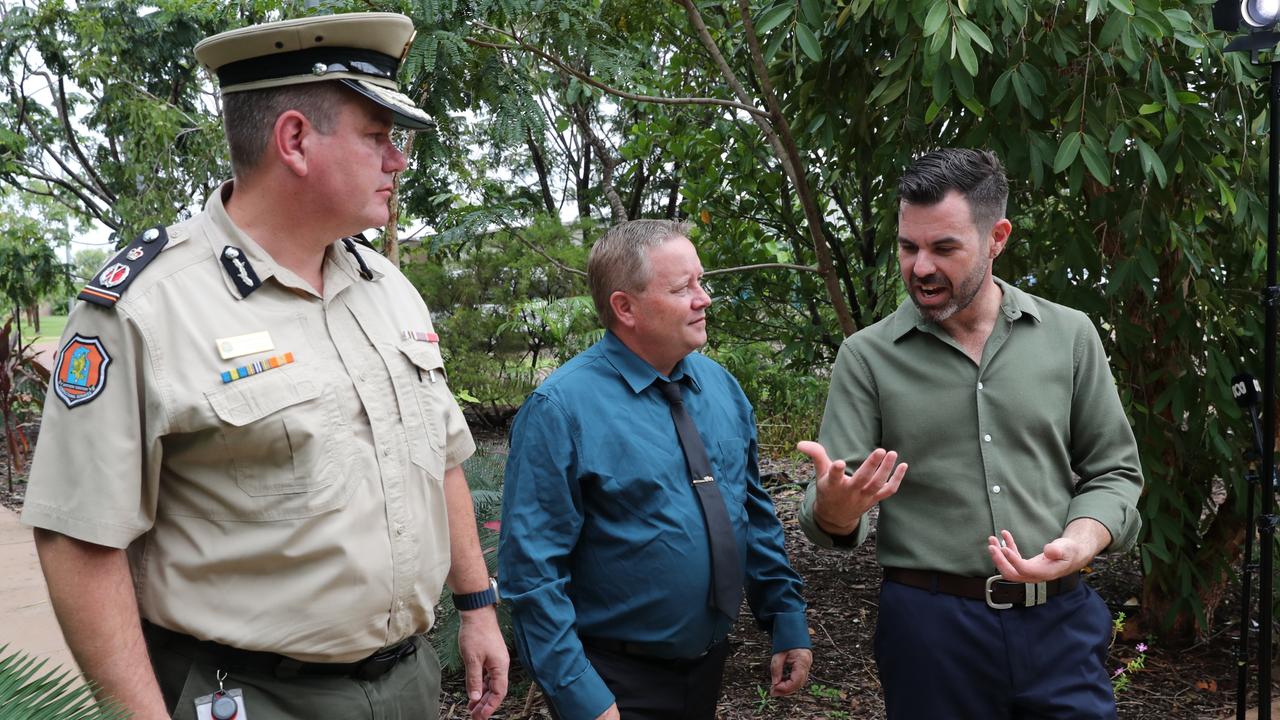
{"x":404,"y":112}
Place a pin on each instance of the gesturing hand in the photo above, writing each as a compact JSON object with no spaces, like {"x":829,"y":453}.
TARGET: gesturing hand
{"x":1062,"y":557}
{"x":843,"y":499}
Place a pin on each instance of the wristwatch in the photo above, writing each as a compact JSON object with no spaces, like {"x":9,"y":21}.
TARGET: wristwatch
{"x":477,"y":600}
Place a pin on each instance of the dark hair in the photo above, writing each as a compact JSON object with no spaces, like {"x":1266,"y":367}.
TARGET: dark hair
{"x":976,"y":174}
{"x":249,"y":116}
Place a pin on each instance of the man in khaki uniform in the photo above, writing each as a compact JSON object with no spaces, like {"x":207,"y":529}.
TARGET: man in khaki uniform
{"x":249,"y":454}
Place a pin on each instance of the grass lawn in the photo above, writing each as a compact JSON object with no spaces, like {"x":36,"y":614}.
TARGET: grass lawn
{"x":51,"y":328}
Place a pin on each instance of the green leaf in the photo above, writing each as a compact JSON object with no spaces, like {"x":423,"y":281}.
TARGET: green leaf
{"x":773,"y":18}
{"x":931,"y":112}
{"x":1067,"y":151}
{"x":1118,"y":138}
{"x":1187,"y":97}
{"x":1124,"y":6}
{"x":894,"y":90}
{"x":808,"y":42}
{"x":1091,"y":10}
{"x":812,"y":10}
{"x":937,"y":15}
{"x":1150,"y":108}
{"x":1189,"y":40}
{"x":1179,"y":19}
{"x":1001,"y":86}
{"x":975,"y":33}
{"x":1111,"y":29}
{"x":1151,"y":162}
{"x":967,"y":56}
{"x":1095,"y":159}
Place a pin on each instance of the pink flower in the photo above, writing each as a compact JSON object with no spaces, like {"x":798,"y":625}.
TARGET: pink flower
{"x":1119,"y":671}
{"x":1142,"y":647}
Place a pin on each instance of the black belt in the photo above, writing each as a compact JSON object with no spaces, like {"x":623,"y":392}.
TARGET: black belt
{"x":268,"y":663}
{"x":997,"y":592}
{"x":645,"y":651}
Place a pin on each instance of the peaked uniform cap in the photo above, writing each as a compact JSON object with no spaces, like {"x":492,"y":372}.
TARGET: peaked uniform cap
{"x":361,"y":50}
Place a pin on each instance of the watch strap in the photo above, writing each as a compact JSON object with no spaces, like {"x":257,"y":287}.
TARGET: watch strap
{"x":477,"y":600}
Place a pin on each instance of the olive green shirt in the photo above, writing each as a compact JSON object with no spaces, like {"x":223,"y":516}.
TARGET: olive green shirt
{"x":1028,"y":440}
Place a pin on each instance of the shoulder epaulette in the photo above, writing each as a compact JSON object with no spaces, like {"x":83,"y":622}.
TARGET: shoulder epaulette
{"x":110,"y":283}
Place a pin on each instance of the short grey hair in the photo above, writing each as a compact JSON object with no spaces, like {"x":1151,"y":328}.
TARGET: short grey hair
{"x":620,"y":260}
{"x":249,"y":116}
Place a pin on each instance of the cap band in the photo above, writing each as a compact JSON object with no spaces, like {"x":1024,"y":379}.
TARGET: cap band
{"x":311,"y":61}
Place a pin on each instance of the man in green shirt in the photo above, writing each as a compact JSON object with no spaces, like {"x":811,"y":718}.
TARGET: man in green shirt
{"x":1004,"y":407}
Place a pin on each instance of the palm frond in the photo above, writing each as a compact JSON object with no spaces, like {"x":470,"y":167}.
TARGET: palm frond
{"x":31,"y":690}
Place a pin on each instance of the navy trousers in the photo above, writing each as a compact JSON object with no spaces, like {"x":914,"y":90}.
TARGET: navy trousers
{"x":944,"y":657}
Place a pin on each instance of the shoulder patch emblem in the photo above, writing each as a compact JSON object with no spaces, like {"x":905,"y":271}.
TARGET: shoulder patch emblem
{"x":81,"y":370}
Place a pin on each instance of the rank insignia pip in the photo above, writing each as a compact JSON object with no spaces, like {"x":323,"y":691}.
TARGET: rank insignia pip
{"x":107,"y":286}
{"x":81,"y":370}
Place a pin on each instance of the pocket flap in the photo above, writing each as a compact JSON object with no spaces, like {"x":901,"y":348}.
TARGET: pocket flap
{"x":424,"y":356}
{"x":247,"y":400}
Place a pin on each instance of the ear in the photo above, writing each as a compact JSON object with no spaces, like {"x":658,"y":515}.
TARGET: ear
{"x":288,"y":138}
{"x":624,"y":311}
{"x":999,"y":236}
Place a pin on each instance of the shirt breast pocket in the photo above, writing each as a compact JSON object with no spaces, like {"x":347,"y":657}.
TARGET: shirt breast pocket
{"x":426,"y":406}
{"x":729,"y":460}
{"x":283,"y":436}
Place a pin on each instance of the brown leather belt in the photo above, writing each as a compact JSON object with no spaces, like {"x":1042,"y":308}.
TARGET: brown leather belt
{"x":997,"y":592}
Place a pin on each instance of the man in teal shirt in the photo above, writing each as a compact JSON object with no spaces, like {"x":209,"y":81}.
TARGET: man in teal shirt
{"x":624,"y":576}
{"x":1004,"y":407}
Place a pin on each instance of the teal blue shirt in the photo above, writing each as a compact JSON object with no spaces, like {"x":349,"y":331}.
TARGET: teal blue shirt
{"x":603,"y":534}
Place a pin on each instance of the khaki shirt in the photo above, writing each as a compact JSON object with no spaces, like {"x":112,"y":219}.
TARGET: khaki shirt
{"x":299,"y":510}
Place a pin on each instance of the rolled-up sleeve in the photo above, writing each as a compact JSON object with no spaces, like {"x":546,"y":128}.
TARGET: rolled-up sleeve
{"x":850,"y":431}
{"x":1104,"y":453}
{"x":542,"y":517}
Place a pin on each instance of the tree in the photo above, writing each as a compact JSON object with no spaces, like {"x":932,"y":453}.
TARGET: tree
{"x":105,"y":110}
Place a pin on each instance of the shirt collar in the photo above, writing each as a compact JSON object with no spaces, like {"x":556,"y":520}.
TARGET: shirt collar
{"x":638,"y":373}
{"x":1013,"y":304}
{"x":228,"y":233}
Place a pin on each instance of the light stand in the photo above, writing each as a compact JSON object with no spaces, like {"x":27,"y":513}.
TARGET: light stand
{"x":1261,"y":17}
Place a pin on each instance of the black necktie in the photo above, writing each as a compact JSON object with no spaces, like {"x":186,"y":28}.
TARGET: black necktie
{"x":726,"y":573}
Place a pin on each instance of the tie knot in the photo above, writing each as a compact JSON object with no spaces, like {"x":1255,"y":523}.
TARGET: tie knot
{"x":670,"y":391}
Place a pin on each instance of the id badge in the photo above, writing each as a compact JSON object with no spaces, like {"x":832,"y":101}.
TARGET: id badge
{"x":221,"y":705}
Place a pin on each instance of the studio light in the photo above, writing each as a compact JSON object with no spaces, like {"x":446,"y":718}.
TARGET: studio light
{"x":1260,"y":14}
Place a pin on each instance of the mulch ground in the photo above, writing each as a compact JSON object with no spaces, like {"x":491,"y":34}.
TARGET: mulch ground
{"x":842,"y":588}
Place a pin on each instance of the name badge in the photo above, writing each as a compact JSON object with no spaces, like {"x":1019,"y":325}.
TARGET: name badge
{"x":258,"y":342}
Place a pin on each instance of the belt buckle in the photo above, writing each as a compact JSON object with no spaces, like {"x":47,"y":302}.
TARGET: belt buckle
{"x":987,"y":593}
{"x":1036,"y":594}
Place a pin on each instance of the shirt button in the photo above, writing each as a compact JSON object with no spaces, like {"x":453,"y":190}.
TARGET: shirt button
{"x":399,"y":529}
{"x":986,"y":438}
{"x":979,"y":386}
{"x":386,"y":451}
{"x":995,"y":489}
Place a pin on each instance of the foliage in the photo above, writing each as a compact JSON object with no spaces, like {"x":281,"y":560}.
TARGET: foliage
{"x":29,"y":266}
{"x":484,"y":472}
{"x":21,"y":396}
{"x":29,"y":692}
{"x":788,"y":398}
{"x":1121,"y":677}
{"x":87,"y":263}
{"x":503,"y":317}
{"x":105,"y":110}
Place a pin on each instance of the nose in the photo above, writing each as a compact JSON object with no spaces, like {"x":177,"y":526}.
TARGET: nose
{"x":702,"y":299}
{"x":923,"y":265}
{"x":393,"y":160}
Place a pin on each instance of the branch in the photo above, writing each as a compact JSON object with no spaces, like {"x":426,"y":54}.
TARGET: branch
{"x":515,"y":233}
{"x":554,"y":60}
{"x":60,"y":98}
{"x":761,"y":266}
{"x":607,"y":163}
